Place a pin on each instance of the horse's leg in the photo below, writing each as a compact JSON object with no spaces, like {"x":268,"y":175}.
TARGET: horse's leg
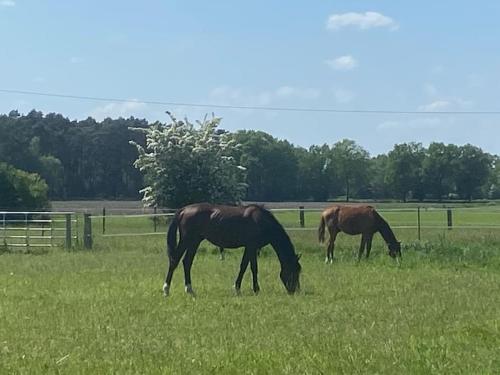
{"x":331,"y":246}
{"x":254,"y":267}
{"x":243,"y":267}
{"x":221,"y":251}
{"x":173,"y":262}
{"x":368,"y":245}
{"x":187,"y":263}
{"x":361,"y":247}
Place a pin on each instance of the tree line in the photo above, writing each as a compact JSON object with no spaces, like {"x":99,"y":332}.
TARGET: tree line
{"x":91,"y":159}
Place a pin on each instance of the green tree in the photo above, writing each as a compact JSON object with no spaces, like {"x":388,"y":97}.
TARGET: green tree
{"x":378,"y":181}
{"x":439,"y":168}
{"x":313,"y":180}
{"x":20,"y":190}
{"x":404,"y":170}
{"x":183,"y":163}
{"x":494,"y":180}
{"x":473,"y":170}
{"x":350,"y":163}
{"x":271,"y":165}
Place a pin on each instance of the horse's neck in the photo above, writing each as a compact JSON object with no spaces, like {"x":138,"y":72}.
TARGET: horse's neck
{"x":386,"y":231}
{"x":283,"y":247}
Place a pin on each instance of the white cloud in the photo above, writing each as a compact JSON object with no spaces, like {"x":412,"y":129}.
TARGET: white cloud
{"x":362,"y":21}
{"x":7,"y":3}
{"x":227,"y":95}
{"x":426,"y":123}
{"x":430,"y":90}
{"x":125,"y":109}
{"x":290,"y":92}
{"x":343,"y":96}
{"x":346,"y":62}
{"x":437,"y":105}
{"x":451,"y":104}
{"x":75,"y":60}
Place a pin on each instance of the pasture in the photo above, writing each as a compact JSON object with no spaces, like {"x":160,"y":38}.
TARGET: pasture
{"x":102,"y":311}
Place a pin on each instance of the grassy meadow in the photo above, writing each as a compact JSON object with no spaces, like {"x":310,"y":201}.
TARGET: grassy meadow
{"x":102,"y":311}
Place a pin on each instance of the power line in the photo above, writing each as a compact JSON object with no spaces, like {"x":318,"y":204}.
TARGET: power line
{"x":248,"y":107}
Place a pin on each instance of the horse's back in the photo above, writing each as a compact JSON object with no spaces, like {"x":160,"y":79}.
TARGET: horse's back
{"x":225,"y":226}
{"x":352,"y":219}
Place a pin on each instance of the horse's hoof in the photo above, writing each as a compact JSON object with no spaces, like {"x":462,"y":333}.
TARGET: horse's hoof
{"x":189,"y":290}
{"x":327,"y":260}
{"x":237,"y":290}
{"x":166,"y":290}
{"x":256,"y":291}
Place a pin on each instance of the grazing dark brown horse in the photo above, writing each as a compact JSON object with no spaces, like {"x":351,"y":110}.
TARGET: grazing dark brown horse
{"x":364,"y":220}
{"x":251,"y":227}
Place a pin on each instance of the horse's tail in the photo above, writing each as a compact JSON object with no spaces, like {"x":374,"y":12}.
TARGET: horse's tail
{"x":321,"y":229}
{"x":172,"y":236}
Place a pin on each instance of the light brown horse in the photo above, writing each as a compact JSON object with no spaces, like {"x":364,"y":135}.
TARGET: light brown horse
{"x":364,"y":220}
{"x":252,"y":227}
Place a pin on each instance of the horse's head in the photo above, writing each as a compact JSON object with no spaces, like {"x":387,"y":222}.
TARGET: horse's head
{"x":395,"y":249}
{"x":290,"y":274}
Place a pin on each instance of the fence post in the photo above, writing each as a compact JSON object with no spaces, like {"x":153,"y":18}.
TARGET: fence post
{"x":449,"y":217}
{"x":77,"y":229}
{"x":51,"y":231}
{"x":418,"y":222}
{"x":4,"y":230}
{"x":155,"y":218}
{"x":103,"y":220}
{"x":68,"y":231}
{"x":301,"y":216}
{"x":87,"y":231}
{"x":27,"y":231}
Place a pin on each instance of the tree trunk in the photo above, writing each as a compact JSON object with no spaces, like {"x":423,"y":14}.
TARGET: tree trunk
{"x":347,"y":189}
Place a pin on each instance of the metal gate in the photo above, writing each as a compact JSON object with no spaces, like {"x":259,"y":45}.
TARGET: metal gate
{"x":38,"y":229}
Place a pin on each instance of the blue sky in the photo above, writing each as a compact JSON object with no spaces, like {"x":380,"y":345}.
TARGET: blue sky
{"x":415,"y":56}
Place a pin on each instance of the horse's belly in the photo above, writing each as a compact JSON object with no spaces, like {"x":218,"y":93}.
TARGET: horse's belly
{"x":225,"y":239}
{"x":226,"y":244}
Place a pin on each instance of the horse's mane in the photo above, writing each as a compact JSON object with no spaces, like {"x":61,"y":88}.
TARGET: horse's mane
{"x":384,"y":229}
{"x":279,"y":235}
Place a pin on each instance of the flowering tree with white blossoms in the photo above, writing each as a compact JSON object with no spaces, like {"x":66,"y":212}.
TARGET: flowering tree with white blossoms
{"x":185,"y":163}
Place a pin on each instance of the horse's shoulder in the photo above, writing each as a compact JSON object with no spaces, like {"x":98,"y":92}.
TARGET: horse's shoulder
{"x":332,"y":210}
{"x":368,"y":208}
{"x":252,"y":209}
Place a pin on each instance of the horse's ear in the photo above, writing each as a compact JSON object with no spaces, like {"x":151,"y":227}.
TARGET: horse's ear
{"x":299,"y":256}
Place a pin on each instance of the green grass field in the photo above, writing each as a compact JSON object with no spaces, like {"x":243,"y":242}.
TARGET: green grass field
{"x":102,"y":311}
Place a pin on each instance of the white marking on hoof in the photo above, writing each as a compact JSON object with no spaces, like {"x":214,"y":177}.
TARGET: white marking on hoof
{"x":237,"y":291}
{"x":327,"y":260}
{"x":189,"y":289}
{"x":166,"y":289}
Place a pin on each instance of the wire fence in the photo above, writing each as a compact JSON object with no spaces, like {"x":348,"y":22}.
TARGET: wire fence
{"x":307,"y":219}
{"x":48,"y":229}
